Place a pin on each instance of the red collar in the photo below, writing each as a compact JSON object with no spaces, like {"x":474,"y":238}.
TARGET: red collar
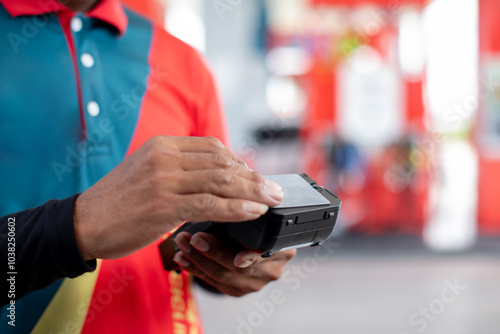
{"x":109,"y":11}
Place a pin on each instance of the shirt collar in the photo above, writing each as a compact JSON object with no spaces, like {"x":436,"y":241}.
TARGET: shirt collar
{"x":109,"y":11}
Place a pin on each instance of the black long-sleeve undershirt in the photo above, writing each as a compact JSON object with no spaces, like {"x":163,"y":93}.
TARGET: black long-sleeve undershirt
{"x":45,"y":249}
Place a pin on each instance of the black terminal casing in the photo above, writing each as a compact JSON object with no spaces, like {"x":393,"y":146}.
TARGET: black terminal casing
{"x":278,"y":229}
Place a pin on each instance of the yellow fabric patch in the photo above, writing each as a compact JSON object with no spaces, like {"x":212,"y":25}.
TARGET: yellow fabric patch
{"x":67,"y":311}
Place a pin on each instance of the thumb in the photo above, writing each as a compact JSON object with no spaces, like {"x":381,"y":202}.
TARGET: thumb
{"x":245,"y":259}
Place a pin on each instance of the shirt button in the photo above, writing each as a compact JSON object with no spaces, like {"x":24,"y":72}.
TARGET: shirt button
{"x":93,"y":108}
{"x":87,"y":60}
{"x":76,"y":24}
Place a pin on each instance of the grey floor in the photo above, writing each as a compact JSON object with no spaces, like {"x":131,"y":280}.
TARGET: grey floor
{"x":376,"y":286}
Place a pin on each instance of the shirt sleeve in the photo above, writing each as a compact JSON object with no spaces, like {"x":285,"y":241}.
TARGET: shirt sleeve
{"x":37,"y":247}
{"x":210,"y":114}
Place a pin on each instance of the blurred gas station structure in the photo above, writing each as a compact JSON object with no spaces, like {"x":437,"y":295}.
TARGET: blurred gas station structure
{"x":394,"y":105}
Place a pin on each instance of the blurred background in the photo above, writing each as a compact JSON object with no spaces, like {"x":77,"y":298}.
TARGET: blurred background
{"x":393,"y":105}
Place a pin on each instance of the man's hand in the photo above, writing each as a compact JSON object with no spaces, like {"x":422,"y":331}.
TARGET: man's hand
{"x":204,"y":256}
{"x":166,"y":181}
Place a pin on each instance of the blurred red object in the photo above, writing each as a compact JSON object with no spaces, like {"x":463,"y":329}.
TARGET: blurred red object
{"x":153,"y":9}
{"x":489,"y":168}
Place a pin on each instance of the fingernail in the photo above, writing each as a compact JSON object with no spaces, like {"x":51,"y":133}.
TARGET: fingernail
{"x":180,"y":260}
{"x":183,"y":244}
{"x":275,"y":194}
{"x":256,"y":208}
{"x":245,"y":263}
{"x":274,"y":185}
{"x":199,"y":243}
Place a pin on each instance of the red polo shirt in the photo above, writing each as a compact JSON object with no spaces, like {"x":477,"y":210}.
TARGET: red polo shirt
{"x":88,"y":89}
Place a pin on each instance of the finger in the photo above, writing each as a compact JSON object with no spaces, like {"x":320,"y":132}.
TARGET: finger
{"x":246,"y":258}
{"x":193,"y":153}
{"x":284,"y":255}
{"x":212,"y":248}
{"x":204,"y":145}
{"x":181,"y":260}
{"x":208,"y":161}
{"x":185,"y":263}
{"x":223,"y":183}
{"x":204,"y":207}
{"x":211,"y":261}
{"x":257,"y":178}
{"x":215,"y":272}
{"x":196,"y":161}
{"x":209,"y":246}
{"x":182,"y":240}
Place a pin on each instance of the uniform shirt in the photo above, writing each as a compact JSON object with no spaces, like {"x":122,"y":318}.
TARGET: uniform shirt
{"x":78,"y":93}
